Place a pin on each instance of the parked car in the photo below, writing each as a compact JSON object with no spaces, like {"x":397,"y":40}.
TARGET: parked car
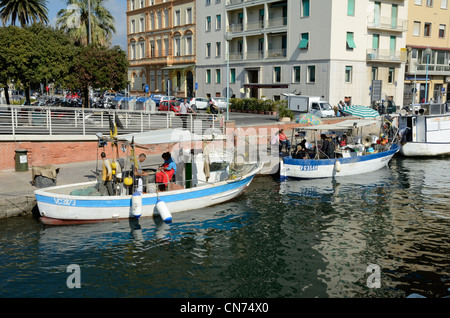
{"x":198,"y":103}
{"x":164,"y":98}
{"x":156,"y":98}
{"x":174,"y":106}
{"x":221,"y":102}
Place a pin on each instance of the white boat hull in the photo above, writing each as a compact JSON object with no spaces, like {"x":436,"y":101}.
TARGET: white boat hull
{"x":60,"y":209}
{"x":326,"y":168}
{"x":416,"y":149}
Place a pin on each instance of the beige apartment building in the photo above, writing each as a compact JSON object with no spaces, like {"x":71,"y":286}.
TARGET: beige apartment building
{"x":161,"y":46}
{"x":428,"y":46}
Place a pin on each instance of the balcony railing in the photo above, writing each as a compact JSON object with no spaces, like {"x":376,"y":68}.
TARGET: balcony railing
{"x":433,"y":69}
{"x":392,"y":56}
{"x":387,"y":24}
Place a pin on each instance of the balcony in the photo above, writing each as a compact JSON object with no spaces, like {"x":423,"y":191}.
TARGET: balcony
{"x":433,"y":69}
{"x":387,"y":24}
{"x":386,"y":56}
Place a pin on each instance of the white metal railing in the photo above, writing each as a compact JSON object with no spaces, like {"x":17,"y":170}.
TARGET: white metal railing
{"x":45,"y":120}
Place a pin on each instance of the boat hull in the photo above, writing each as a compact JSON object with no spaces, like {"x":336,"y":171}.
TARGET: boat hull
{"x":418,"y":149}
{"x":59,"y":209}
{"x":327,"y":168}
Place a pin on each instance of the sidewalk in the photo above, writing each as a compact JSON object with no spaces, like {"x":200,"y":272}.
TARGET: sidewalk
{"x":17,"y":191}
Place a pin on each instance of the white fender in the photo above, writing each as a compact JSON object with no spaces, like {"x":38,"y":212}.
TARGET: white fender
{"x":136,"y":204}
{"x":163,"y":211}
{"x":337,"y":166}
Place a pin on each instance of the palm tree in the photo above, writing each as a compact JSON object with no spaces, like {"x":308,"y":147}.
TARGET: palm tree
{"x":26,"y":11}
{"x":75,"y":22}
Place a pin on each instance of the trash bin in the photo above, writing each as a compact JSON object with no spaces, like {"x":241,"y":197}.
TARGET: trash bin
{"x":21,"y":160}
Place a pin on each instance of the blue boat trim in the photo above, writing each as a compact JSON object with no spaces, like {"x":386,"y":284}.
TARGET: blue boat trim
{"x":126,"y":202}
{"x":326,"y":162}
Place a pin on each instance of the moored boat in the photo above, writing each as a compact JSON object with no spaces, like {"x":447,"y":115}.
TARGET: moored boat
{"x":425,"y":135}
{"x":213,"y":179}
{"x":363,"y":155}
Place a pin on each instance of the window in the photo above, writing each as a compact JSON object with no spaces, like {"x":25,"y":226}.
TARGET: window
{"x":217,"y":49}
{"x":133,"y":7}
{"x":188,"y":15}
{"x":208,"y":2}
{"x":296,"y":74}
{"x":208,"y":76}
{"x":351,"y":7}
{"x":141,"y":25}
{"x":166,"y":18}
{"x":304,"y":41}
{"x":177,"y":18}
{"x":232,"y":76}
{"x":418,"y":2}
{"x":427,"y":29}
{"x":350,"y":41}
{"x":177,"y":47}
{"x":218,"y":22}
{"x":311,"y":74}
{"x":429,"y":3}
{"x":141,"y":3}
{"x":391,"y":75}
{"x":141,"y":50}
{"x":416,"y":28}
{"x":133,"y":26}
{"x":441,"y":31}
{"x":189,"y":45}
{"x":208,"y":23}
{"x":374,"y":73}
{"x":443,"y":4}
{"x":348,"y":74}
{"x":277,"y":74}
{"x":218,"y":76}
{"x":208,"y":49}
{"x":133,"y":51}
{"x":375,"y":41}
{"x":305,"y":8}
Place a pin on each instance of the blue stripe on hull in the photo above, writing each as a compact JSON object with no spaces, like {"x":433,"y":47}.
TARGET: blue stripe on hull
{"x":64,"y":200}
{"x":326,"y":162}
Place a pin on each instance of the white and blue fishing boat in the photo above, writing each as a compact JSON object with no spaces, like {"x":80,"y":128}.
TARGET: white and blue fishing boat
{"x":213,"y":179}
{"x":363,"y":155}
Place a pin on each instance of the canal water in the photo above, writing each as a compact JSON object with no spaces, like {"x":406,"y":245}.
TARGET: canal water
{"x":378,"y":235}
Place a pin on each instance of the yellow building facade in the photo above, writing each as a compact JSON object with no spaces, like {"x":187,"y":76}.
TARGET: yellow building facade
{"x":427,"y":76}
{"x":161,"y":46}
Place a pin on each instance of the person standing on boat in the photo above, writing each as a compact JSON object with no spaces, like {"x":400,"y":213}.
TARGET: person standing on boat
{"x":284,"y":141}
{"x":327,"y":146}
{"x":166,"y":171}
{"x":139,"y":173}
{"x":105,"y":184}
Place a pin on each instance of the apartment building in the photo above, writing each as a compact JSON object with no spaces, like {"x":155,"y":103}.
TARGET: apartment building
{"x":428,"y":45}
{"x":161,"y":46}
{"x":339,"y":50}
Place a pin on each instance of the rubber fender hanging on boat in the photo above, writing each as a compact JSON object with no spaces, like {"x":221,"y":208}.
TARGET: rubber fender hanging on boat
{"x":163,"y":211}
{"x":136,"y":204}
{"x":337,"y":165}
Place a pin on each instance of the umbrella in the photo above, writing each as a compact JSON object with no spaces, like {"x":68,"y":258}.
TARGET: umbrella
{"x":308,"y":119}
{"x":361,"y":111}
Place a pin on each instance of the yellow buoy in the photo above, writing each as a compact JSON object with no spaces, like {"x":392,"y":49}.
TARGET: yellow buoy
{"x":128,"y":181}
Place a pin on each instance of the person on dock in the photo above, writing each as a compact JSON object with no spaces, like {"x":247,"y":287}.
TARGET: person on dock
{"x":106,"y":184}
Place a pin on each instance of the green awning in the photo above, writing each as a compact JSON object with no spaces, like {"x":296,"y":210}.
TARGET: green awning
{"x":350,"y":42}
{"x":304,"y":41}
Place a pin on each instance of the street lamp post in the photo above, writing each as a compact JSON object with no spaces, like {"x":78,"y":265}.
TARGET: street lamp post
{"x":428,"y":53}
{"x":228,"y":38}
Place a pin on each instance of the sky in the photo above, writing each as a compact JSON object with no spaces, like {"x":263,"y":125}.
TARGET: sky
{"x":117,"y":8}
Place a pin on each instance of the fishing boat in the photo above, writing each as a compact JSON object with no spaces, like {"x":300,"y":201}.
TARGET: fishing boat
{"x":210,"y":177}
{"x":425,"y":135}
{"x":360,"y":155}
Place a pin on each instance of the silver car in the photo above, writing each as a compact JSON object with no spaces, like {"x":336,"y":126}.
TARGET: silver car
{"x":198,"y":103}
{"x":221,"y":102}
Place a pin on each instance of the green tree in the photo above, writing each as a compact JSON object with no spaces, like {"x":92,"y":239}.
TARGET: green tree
{"x":99,"y":68}
{"x":75,"y":22}
{"x":34,"y":54}
{"x":25,"y":11}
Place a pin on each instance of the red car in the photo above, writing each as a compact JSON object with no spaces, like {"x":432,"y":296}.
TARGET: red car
{"x":174,"y":106}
